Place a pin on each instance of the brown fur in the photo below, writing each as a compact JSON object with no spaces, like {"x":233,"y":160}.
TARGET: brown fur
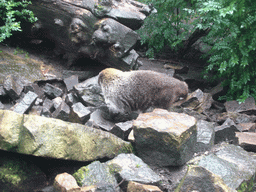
{"x":125,"y":92}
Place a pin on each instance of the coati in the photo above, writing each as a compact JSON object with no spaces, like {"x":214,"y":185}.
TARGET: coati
{"x":125,"y":92}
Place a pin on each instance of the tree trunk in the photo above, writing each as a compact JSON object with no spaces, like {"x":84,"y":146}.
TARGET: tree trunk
{"x":100,"y":29}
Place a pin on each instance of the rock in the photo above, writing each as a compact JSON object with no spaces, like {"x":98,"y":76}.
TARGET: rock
{"x":129,"y":167}
{"x":80,"y":113}
{"x":70,"y":82}
{"x":217,"y":91}
{"x":90,"y":92}
{"x":10,"y":123}
{"x":198,"y":101}
{"x":165,"y":138}
{"x":26,"y":103}
{"x":2,"y":91}
{"x":247,"y":107}
{"x":25,"y":67}
{"x":71,"y":99}
{"x":94,"y":174}
{"x":13,"y":86}
{"x":52,"y":91}
{"x":57,"y":102}
{"x":244,"y":127}
{"x":65,"y":182}
{"x":33,"y":87}
{"x":48,"y":108}
{"x":205,"y":136}
{"x":39,"y":101}
{"x":236,"y":117}
{"x":54,"y":138}
{"x":2,"y":106}
{"x":19,"y":174}
{"x":62,"y":112}
{"x":137,"y":187}
{"x":234,"y":165}
{"x":82,"y":75}
{"x":226,"y":132}
{"x":105,"y":34}
{"x":247,"y":141}
{"x":122,"y":129}
{"x":36,"y":110}
{"x":200,"y":179}
{"x":97,"y":120}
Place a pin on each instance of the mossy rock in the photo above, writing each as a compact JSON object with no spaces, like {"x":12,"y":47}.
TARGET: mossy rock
{"x":17,"y":174}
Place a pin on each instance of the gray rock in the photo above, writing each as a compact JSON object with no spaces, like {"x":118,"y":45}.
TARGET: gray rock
{"x":200,"y":179}
{"x":122,"y":129}
{"x":36,"y":110}
{"x":26,"y":103}
{"x":48,"y":108}
{"x":54,"y":138}
{"x":70,"y":82}
{"x":198,"y":101}
{"x":247,"y":127}
{"x":233,"y":164}
{"x":205,"y":136}
{"x":2,"y":91}
{"x":90,"y":92}
{"x":222,"y":168}
{"x":94,"y":174}
{"x":25,"y":67}
{"x":226,"y":132}
{"x":97,"y":120}
{"x":57,"y":102}
{"x":62,"y":112}
{"x":2,"y":105}
{"x":52,"y":91}
{"x":165,"y":138}
{"x":71,"y":99}
{"x":34,"y":88}
{"x":106,"y":34}
{"x":13,"y":86}
{"x":248,"y":106}
{"x":131,"y":168}
{"x":82,"y":75}
{"x":80,"y":113}
{"x":247,"y":140}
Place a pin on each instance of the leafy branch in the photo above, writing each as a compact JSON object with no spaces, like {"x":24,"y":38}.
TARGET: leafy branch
{"x":12,"y":12}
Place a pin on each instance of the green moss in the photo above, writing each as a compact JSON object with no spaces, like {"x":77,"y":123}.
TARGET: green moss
{"x":114,"y":168}
{"x":126,"y":149}
{"x":81,"y":174}
{"x":247,"y":186}
{"x":13,"y":172}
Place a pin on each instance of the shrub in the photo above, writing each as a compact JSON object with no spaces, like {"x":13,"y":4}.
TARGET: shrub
{"x":230,"y":26}
{"x":12,"y":13}
{"x":233,"y":40}
{"x":169,"y":26}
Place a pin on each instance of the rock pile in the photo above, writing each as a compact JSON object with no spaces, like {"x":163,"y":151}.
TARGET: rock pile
{"x":60,"y":118}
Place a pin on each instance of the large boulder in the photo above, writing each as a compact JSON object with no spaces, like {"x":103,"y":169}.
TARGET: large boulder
{"x":165,"y":138}
{"x":100,"y":30}
{"x":231,"y":163}
{"x":96,"y":173}
{"x":54,"y":138}
{"x":129,"y":167}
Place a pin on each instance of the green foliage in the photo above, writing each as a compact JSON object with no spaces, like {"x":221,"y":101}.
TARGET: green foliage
{"x":233,"y":40}
{"x":12,"y":13}
{"x":231,"y":25}
{"x":169,"y":26}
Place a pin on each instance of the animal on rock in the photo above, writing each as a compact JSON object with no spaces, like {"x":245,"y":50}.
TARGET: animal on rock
{"x":125,"y":92}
